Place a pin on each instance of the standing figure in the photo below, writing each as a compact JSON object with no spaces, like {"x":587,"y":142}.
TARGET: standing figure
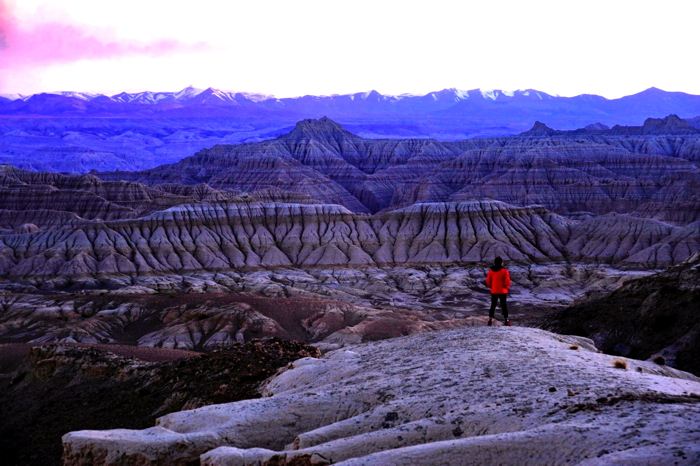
{"x":498,"y":279}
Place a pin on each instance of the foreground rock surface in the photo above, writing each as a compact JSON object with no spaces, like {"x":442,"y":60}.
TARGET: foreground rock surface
{"x":59,"y":388}
{"x":469,"y":396}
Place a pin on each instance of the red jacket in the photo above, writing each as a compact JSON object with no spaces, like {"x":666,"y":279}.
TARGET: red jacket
{"x":498,"y":281}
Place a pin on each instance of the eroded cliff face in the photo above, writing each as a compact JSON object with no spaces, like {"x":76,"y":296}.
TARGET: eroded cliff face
{"x":251,"y":219}
{"x":625,"y":169}
{"x":318,"y":158}
{"x":83,"y":233}
{"x":405,"y":271}
{"x":564,"y":174}
{"x":52,"y":200}
{"x":219,"y":237}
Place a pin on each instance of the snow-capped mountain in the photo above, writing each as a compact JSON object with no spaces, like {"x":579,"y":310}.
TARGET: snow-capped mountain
{"x":146,"y":97}
{"x":87,"y":96}
{"x":189,"y":96}
{"x":195,"y":96}
{"x":449,"y":113}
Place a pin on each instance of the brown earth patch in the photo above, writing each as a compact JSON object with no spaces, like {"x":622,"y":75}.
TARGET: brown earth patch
{"x":63,"y":388}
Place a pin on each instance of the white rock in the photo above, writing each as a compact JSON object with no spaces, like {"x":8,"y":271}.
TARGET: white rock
{"x":476,"y":395}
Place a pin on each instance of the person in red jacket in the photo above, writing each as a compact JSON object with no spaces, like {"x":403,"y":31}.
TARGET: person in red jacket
{"x":498,"y":279}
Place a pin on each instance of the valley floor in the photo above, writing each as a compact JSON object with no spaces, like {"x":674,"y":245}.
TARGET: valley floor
{"x":329,"y":306}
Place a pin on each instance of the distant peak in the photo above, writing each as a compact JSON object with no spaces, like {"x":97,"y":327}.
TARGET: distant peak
{"x":655,"y":92}
{"x":323,"y":123}
{"x":323,"y":128}
{"x":673,"y":120}
{"x":597,"y":127}
{"x":672,"y":124}
{"x":540,"y":129}
{"x":370,"y":95}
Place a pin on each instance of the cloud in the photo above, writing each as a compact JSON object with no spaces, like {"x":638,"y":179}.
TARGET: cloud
{"x":58,"y":42}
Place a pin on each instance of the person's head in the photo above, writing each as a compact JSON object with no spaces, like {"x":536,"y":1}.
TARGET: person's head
{"x":498,"y":262}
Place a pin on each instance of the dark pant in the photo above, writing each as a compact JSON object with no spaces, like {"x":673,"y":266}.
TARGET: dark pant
{"x":504,"y":306}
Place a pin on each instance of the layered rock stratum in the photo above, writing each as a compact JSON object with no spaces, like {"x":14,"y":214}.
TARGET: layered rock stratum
{"x":512,"y":396}
{"x":585,"y":211}
{"x":220,"y":237}
{"x":623,"y":169}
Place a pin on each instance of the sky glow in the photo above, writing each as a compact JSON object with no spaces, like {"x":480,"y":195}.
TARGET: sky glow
{"x":289,"y":48}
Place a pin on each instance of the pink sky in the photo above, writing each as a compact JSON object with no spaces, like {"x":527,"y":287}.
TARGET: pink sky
{"x":29,"y":47}
{"x":319,"y":47}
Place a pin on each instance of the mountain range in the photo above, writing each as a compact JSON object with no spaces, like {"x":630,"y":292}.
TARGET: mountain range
{"x":79,"y":132}
{"x":496,"y":105}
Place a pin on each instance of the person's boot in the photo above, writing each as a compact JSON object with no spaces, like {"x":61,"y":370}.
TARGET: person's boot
{"x":490,"y":322}
{"x":508,"y":323}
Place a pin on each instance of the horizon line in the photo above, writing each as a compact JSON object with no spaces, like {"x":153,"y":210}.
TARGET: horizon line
{"x":483,"y":91}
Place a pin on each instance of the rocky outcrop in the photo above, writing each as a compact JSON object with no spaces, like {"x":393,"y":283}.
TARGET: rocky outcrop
{"x":588,"y":170}
{"x":199,"y":192}
{"x":564,"y":174}
{"x":485,"y":394}
{"x":676,"y":213}
{"x":59,"y":388}
{"x":539,"y":129}
{"x":630,"y":240}
{"x":84,"y":204}
{"x":51,"y":200}
{"x":13,"y":221}
{"x":317,"y":158}
{"x":647,"y":318}
{"x":593,"y":170}
{"x":672,"y":124}
{"x":205,"y":237}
